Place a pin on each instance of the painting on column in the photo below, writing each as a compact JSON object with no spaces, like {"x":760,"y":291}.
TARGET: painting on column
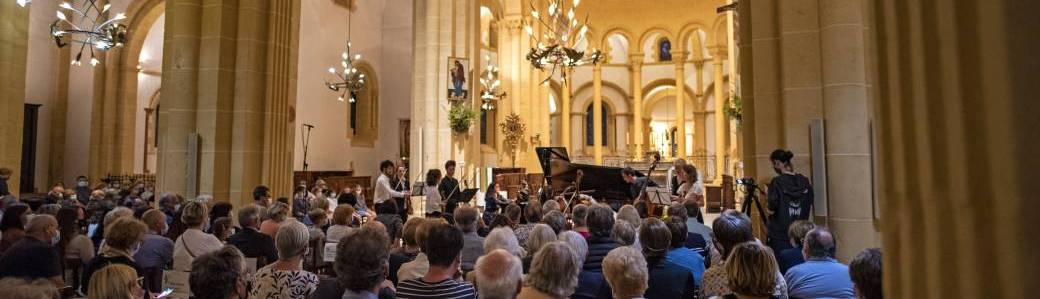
{"x":458,"y":70}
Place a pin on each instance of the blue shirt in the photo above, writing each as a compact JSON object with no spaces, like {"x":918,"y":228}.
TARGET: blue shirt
{"x":689,"y":260}
{"x":155,"y":251}
{"x":819,"y":278}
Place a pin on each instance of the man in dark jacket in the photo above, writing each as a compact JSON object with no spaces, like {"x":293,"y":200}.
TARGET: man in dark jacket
{"x":449,"y":188}
{"x":600,"y":221}
{"x":790,"y":198}
{"x":250,"y":240}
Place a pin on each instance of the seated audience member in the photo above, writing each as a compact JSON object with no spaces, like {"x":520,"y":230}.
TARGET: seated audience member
{"x":729,"y":230}
{"x":679,"y":254}
{"x":695,"y":226}
{"x":12,"y":225}
{"x":751,"y":269}
{"x":865,"y":271}
{"x":193,"y":242}
{"x":556,"y":220}
{"x":115,"y":281}
{"x":666,"y":280}
{"x":443,"y":246}
{"x":361,"y":263}
{"x":276,"y":213}
{"x":418,"y":267}
{"x":624,"y":234}
{"x":285,"y":278}
{"x":249,"y":240}
{"x":156,"y":250}
{"x":409,"y":249}
{"x":578,"y":213}
{"x":532,"y":215}
{"x":498,"y":220}
{"x":386,"y":214}
{"x":503,"y":238}
{"x":541,"y":235}
{"x":791,"y":257}
{"x":473,"y":244}
{"x":821,"y":275}
{"x":216,"y":211}
{"x":17,"y":288}
{"x":218,"y":275}
{"x":342,"y":223}
{"x":73,"y":244}
{"x":498,"y":275}
{"x":550,"y":205}
{"x":554,"y":273}
{"x":626,"y":273}
{"x":600,"y":220}
{"x":693,"y":240}
{"x":262,"y":196}
{"x":512,"y":212}
{"x":628,"y":213}
{"x":222,"y":229}
{"x":34,"y":256}
{"x":590,"y":284}
{"x":301,"y":205}
{"x":319,"y":219}
{"x":123,"y":237}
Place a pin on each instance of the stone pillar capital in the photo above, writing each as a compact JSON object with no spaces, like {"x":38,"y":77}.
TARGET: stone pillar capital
{"x":511,"y":25}
{"x":718,"y":52}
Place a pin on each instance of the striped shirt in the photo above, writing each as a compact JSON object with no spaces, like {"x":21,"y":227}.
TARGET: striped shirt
{"x":449,"y":288}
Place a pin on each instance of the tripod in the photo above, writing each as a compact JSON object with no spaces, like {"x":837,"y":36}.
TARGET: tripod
{"x":306,"y":138}
{"x":751,"y":196}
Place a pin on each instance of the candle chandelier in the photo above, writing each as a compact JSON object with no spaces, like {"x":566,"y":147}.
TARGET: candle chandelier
{"x":94,"y":29}
{"x":22,"y":3}
{"x":555,"y":49}
{"x":490,"y":92}
{"x":349,"y":80}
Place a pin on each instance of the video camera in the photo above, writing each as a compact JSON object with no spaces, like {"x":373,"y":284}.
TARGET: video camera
{"x":748,"y":181}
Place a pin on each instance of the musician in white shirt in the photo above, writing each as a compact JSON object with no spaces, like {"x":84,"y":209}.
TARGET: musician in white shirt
{"x":383,"y":192}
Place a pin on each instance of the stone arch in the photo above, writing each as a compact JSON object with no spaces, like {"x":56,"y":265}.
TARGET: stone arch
{"x":612,"y":93}
{"x":687,"y":33}
{"x":366,"y":131}
{"x":652,"y":89}
{"x":719,"y":35}
{"x":608,"y":48}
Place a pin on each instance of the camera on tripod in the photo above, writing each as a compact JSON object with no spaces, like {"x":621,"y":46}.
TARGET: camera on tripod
{"x":746,"y":181}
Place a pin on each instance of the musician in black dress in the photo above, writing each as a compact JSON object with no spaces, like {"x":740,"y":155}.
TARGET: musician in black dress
{"x":449,"y":188}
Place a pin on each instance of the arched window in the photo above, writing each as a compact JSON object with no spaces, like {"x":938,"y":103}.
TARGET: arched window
{"x":363,"y":113}
{"x":589,"y":137}
{"x":487,"y":126}
{"x":664,"y":50}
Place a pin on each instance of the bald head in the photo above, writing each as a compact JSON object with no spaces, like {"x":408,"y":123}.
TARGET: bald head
{"x":819,"y":243}
{"x":42,"y":227}
{"x":499,"y":274}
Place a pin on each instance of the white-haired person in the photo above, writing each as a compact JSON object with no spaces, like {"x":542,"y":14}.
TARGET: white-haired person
{"x":499,"y":275}
{"x":554,"y":273}
{"x":286,"y":278}
{"x":626,"y":271}
{"x":503,"y":238}
{"x":591,"y":284}
{"x":541,"y":234}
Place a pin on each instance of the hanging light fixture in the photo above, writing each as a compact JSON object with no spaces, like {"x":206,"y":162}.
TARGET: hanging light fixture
{"x":490,"y":92}
{"x":94,"y":29}
{"x":22,"y":3}
{"x":349,"y":80}
{"x":555,"y":49}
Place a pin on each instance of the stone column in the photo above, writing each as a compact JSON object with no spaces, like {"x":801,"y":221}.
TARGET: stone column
{"x":565,"y":112}
{"x":282,"y":41}
{"x":680,"y":101}
{"x":700,"y":137}
{"x":637,"y":105}
{"x":597,"y":112}
{"x":14,"y":46}
{"x":717,"y":55}
{"x":180,"y":89}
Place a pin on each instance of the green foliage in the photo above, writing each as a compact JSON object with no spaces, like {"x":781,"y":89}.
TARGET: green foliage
{"x":461,"y":117}
{"x":734,"y":109}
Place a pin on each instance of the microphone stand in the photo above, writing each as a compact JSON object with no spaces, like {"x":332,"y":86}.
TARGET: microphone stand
{"x":306,"y":142}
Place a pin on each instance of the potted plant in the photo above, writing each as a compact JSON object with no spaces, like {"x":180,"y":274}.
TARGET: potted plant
{"x":733,"y":109}
{"x":461,"y":118}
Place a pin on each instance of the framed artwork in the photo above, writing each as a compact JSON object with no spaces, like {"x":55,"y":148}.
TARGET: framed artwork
{"x":458,"y":74}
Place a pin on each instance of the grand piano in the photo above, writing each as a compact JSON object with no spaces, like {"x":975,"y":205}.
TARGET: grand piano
{"x":603,"y":183}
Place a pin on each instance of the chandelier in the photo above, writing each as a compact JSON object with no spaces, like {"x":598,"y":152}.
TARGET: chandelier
{"x":92,"y":31}
{"x":350,"y":80}
{"x":22,"y":3}
{"x":556,"y":49}
{"x":490,"y":92}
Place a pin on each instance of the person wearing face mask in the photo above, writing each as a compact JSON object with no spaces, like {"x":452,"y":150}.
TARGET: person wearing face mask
{"x":156,"y":250}
{"x":34,"y":256}
{"x":82,"y":189}
{"x":123,"y":238}
{"x":790,"y":199}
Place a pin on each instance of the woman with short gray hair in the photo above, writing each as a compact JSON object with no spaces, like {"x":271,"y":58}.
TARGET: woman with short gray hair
{"x":554,"y":273}
{"x":286,"y":278}
{"x":541,"y":234}
{"x":503,"y":238}
{"x":276,"y":214}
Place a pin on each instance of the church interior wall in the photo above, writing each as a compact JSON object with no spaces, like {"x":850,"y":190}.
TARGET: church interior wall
{"x":148,"y":80}
{"x":41,"y":84}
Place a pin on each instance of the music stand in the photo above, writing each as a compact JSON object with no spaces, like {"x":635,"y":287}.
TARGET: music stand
{"x":658,"y":195}
{"x":468,"y":194}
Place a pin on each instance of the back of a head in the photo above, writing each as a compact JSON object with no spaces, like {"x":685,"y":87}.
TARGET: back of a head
{"x":623,"y":233}
{"x":409,"y":230}
{"x":630,"y":214}
{"x":220,"y":209}
{"x":798,"y":230}
{"x":554,"y":270}
{"x":18,"y":288}
{"x":677,"y":227}
{"x":577,"y":243}
{"x":318,"y":217}
{"x":153,"y":217}
{"x":784,"y":156}
{"x":466,"y":218}
{"x":249,"y":216}
{"x":600,"y":221}
{"x":730,"y":229}
{"x":260,"y":191}
{"x":291,"y":239}
{"x":124,"y":232}
{"x":550,"y":205}
{"x":111,"y":281}
{"x":432,"y":177}
{"x":278,"y":211}
{"x":502,"y":238}
{"x":40,"y":223}
{"x":677,"y":210}
{"x":117,"y":213}
{"x":865,"y":271}
{"x":361,"y":259}
{"x":626,"y":272}
{"x":556,"y":220}
{"x":751,"y":270}
{"x":10,"y":220}
{"x":541,"y":234}
{"x":499,"y":274}
{"x":343,"y":215}
{"x":443,"y":245}
{"x":533,"y":213}
{"x":193,"y":213}
{"x":578,"y":213}
{"x":215,"y":275}
{"x":656,"y":239}
{"x":819,"y":243}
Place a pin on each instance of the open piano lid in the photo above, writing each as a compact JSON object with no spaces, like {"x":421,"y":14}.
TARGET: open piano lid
{"x":604,"y":182}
